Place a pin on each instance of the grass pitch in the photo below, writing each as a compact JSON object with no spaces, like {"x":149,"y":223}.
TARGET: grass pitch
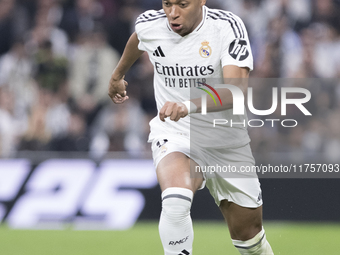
{"x":286,"y":238}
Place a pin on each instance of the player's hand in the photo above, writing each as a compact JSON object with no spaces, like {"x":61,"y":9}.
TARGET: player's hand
{"x":173,"y":110}
{"x":117,"y":90}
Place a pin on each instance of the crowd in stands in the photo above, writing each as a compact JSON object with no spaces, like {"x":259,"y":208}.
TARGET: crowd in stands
{"x":56,"y":58}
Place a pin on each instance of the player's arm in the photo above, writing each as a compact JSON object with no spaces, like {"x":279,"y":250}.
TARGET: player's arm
{"x":233,"y":75}
{"x":117,"y":86}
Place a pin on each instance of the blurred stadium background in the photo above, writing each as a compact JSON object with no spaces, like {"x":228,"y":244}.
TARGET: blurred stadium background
{"x":73,"y":164}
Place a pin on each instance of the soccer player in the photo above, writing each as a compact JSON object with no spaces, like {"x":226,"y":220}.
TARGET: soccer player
{"x":189,"y":45}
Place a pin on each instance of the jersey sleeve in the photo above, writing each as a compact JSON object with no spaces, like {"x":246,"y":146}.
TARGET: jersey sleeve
{"x":236,"y":48}
{"x":145,"y":27}
{"x":139,"y":31}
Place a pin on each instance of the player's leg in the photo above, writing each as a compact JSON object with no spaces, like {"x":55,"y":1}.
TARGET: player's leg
{"x":239,"y":196}
{"x":175,"y":226}
{"x":245,"y":227}
{"x":174,"y":171}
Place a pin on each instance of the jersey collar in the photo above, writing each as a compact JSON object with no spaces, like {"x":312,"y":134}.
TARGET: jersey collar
{"x":204,"y":17}
{"x":200,"y":25}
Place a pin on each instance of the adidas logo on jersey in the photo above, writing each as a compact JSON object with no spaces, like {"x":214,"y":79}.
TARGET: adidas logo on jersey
{"x":184,"y":252}
{"x":259,"y":198}
{"x":158,"y":52}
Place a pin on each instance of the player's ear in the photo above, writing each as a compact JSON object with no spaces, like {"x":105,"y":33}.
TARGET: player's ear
{"x":203,"y":2}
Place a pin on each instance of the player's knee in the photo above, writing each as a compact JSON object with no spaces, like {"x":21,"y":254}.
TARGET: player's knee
{"x":176,"y":203}
{"x":244,"y":233}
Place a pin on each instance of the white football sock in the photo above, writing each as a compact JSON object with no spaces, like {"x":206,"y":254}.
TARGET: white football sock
{"x":258,"y":245}
{"x":175,"y":225}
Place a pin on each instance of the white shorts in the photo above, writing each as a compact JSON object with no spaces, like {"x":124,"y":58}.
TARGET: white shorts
{"x":222,"y":168}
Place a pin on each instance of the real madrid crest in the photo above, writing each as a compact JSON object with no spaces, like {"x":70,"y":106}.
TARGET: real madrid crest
{"x":163,"y":149}
{"x":205,"y":50}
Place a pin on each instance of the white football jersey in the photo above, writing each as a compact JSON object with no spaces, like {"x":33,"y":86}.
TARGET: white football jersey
{"x":181,"y":64}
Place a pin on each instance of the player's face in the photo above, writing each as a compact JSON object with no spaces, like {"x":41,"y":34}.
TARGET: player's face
{"x":183,"y":15}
